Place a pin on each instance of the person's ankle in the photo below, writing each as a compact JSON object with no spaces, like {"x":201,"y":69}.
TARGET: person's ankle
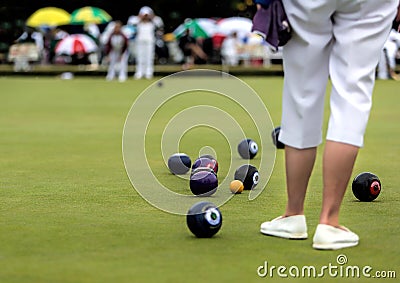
{"x":330,"y":222}
{"x":292,"y":212}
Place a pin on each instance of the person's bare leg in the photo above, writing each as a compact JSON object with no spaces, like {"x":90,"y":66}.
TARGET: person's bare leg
{"x":197,"y":51}
{"x":299,"y":165}
{"x":338,"y":163}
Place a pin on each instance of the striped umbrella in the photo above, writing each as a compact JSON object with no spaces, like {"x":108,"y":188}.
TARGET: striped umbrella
{"x":76,"y":43}
{"x":90,"y":14}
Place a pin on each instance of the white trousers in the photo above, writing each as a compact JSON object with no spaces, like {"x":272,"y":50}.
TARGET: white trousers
{"x":144,"y":59}
{"x":118,"y":64}
{"x":340,"y":39}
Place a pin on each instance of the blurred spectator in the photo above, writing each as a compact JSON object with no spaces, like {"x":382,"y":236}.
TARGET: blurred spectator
{"x":57,"y":35}
{"x":231,"y":49}
{"x":92,"y":30}
{"x":387,"y":62}
{"x":80,"y":58}
{"x":175,"y":54}
{"x":191,"y":49}
{"x":116,"y":49}
{"x":28,"y":37}
{"x":103,"y":40}
{"x":162,"y":51}
{"x":147,"y":24}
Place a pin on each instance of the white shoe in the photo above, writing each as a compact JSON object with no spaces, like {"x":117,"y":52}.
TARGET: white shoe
{"x":328,"y":237}
{"x":291,"y":227}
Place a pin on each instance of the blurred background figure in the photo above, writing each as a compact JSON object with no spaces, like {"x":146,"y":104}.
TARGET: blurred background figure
{"x":92,"y":30}
{"x":116,"y":50}
{"x":147,"y":25}
{"x":57,"y":34}
{"x":230,"y":50}
{"x":175,"y":54}
{"x":30,"y":35}
{"x":161,"y":48}
{"x":387,"y":62}
{"x":30,"y":41}
{"x":191,"y":49}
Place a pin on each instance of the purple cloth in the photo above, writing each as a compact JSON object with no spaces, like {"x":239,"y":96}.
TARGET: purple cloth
{"x":263,"y":3}
{"x":272,"y":24}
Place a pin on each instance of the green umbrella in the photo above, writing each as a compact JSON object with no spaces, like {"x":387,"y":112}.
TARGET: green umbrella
{"x":195,"y":29}
{"x":90,"y":14}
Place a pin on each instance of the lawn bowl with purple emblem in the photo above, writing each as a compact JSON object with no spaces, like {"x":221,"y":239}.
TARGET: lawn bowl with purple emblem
{"x":205,"y":162}
{"x":204,"y":182}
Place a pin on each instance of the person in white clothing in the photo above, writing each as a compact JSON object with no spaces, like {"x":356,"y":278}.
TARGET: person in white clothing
{"x":146,"y":24}
{"x":29,"y":35}
{"x":230,"y":50}
{"x":387,"y":62}
{"x":117,"y":51}
{"x":340,"y":40}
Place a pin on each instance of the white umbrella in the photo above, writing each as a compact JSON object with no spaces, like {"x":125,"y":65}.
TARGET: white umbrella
{"x":240,"y":25}
{"x":76,"y":43}
{"x":209,"y":25}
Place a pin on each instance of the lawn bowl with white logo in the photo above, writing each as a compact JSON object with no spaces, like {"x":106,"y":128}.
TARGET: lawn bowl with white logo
{"x":204,"y":219}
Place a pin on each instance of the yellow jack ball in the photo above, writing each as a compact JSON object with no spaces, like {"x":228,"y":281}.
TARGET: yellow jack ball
{"x":236,"y":187}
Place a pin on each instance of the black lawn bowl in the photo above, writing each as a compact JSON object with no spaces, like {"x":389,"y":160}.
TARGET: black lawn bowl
{"x":248,"y":149}
{"x":249,"y":176}
{"x":204,"y":219}
{"x":366,"y":186}
{"x":179,"y":163}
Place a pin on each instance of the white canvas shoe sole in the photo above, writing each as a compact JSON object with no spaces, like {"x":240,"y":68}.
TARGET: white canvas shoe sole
{"x":291,"y":227}
{"x":328,"y":237}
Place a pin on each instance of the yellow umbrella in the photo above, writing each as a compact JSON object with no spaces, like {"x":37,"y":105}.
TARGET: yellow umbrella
{"x":49,"y":16}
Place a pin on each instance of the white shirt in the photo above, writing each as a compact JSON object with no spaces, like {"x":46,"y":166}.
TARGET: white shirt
{"x":392,"y":44}
{"x":117,"y":42}
{"x":230,"y":46}
{"x":145,"y":31}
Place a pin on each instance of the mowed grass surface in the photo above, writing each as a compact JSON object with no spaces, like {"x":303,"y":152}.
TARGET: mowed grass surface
{"x":68,"y":212}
